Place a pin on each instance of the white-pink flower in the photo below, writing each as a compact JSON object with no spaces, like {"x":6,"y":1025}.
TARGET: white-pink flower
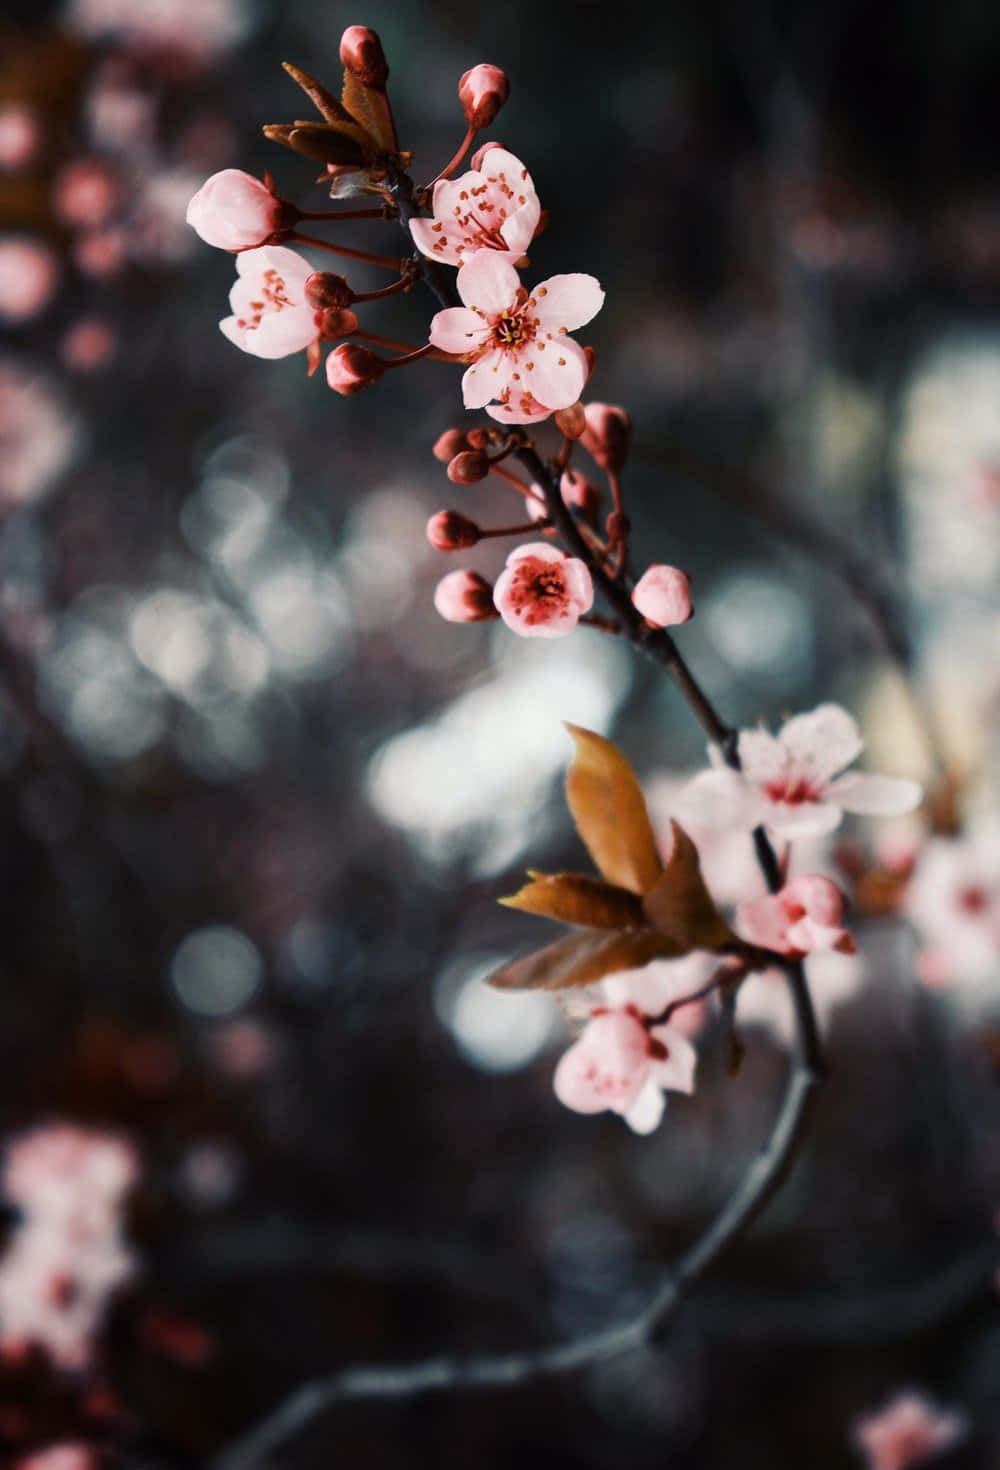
{"x":517,"y":344}
{"x":20,"y":135}
{"x":663,"y":596}
{"x":953,"y":900}
{"x":234,"y":211}
{"x":805,"y":915}
{"x":494,"y":207}
{"x":271,"y":314}
{"x":29,"y":274}
{"x":542,"y":592}
{"x":792,"y":782}
{"x":60,"y":1457}
{"x":622,"y":1061}
{"x":908,"y":1431}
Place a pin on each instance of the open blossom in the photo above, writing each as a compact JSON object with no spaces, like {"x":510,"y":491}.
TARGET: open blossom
{"x":908,"y":1431}
{"x":542,"y":592}
{"x":953,"y":901}
{"x":805,"y":915}
{"x":621,"y":1061}
{"x":791,"y":782}
{"x":234,"y":211}
{"x":517,"y":344}
{"x":272,"y":316}
{"x":494,"y":207}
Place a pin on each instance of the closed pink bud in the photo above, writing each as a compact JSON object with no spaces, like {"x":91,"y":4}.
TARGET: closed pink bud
{"x":478,"y":438}
{"x":234,"y":211}
{"x":327,"y":291}
{"x":482,"y":91}
{"x":663,"y":596}
{"x":336,"y":323}
{"x":464,"y":597}
{"x":450,"y":530}
{"x":583,"y":495}
{"x":361,"y":53}
{"x":468,"y":467}
{"x":448,"y":444}
{"x":606,"y":437}
{"x":350,"y":368}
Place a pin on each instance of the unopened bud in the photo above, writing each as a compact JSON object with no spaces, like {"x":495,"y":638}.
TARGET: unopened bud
{"x":350,"y":368}
{"x":361,"y":53}
{"x":606,"y":437}
{"x":450,"y":443}
{"x":328,"y":292}
{"x":469,"y":467}
{"x":476,"y":161}
{"x":464,"y":597}
{"x":336,"y":324}
{"x":482,"y":91}
{"x":571,"y":421}
{"x":583,"y":495}
{"x":479,"y":438}
{"x":663,"y":596}
{"x":450,"y":530}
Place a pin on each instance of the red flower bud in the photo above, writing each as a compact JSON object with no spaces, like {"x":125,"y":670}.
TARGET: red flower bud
{"x":464,"y":597}
{"x":337,"y":323}
{"x":361,"y":53}
{"x":469,"y":467}
{"x":607,"y":435}
{"x":450,"y":530}
{"x":328,"y":292}
{"x":350,"y":368}
{"x":450,"y":443}
{"x":482,"y":91}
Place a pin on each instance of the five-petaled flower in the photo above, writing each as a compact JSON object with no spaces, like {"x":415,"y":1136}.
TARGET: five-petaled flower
{"x":542,"y":592}
{"x":491,"y":208}
{"x":805,"y":915}
{"x":516,"y":343}
{"x":272,"y":316}
{"x":792,"y":782}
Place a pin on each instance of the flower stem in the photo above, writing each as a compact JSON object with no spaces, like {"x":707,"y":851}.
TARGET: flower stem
{"x":387,"y":262}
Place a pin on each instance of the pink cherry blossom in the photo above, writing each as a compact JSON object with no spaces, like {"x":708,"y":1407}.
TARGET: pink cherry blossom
{"x":953,"y":901}
{"x":234,"y":211}
{"x":60,"y":1457}
{"x":85,"y":192}
{"x":792,"y":782}
{"x":663,"y":596}
{"x":29,"y":273}
{"x":805,"y":915}
{"x":88,"y":345}
{"x":517,"y":344}
{"x":910,"y":1430}
{"x":494,"y":207}
{"x":271,"y":314}
{"x":622,"y":1060}
{"x":20,"y":134}
{"x":542,"y":592}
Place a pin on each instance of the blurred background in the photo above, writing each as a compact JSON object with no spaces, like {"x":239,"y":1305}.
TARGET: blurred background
{"x":258,"y":800}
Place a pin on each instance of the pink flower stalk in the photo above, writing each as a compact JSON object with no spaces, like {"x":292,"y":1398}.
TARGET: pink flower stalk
{"x":85,"y":192}
{"x":235,"y":211}
{"x":20,"y":135}
{"x":492,"y":208}
{"x":464,"y":597}
{"x":516,"y":343}
{"x":482,"y":91}
{"x":805,"y":915}
{"x":542,"y":592}
{"x":622,"y":1061}
{"x":271,"y":314}
{"x":908,"y":1431}
{"x":791,"y":782}
{"x":663,"y":596}
{"x":29,"y":273}
{"x":953,"y":901}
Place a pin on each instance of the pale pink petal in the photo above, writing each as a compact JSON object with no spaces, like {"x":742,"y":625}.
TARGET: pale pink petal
{"x":763,"y":921}
{"x":807,"y":934}
{"x":719,"y":798}
{"x":519,"y":228}
{"x":433,"y":239}
{"x":485,"y":379}
{"x":568,"y":301}
{"x":800,"y":819}
{"x":540,"y":550}
{"x":522,"y":409}
{"x":656,"y":985}
{"x":457,"y":330}
{"x":606,"y":1067}
{"x":823,"y":741}
{"x":675,"y":1072}
{"x":488,"y":283}
{"x":293,"y":268}
{"x":875,"y":796}
{"x":762,"y":757}
{"x":282,"y":333}
{"x":556,"y":368}
{"x":646,"y":1113}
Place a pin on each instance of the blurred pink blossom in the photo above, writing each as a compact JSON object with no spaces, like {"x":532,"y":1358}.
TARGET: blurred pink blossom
{"x":910,"y":1430}
{"x":953,"y":901}
{"x":29,"y":273}
{"x":89,"y":344}
{"x":59,"y":1457}
{"x":494,"y":207}
{"x":542,"y":592}
{"x":85,"y":192}
{"x":195,"y":31}
{"x":99,"y":253}
{"x":805,"y":915}
{"x":37,"y":436}
{"x":20,"y":135}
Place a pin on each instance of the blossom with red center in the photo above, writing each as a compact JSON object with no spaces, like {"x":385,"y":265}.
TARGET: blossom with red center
{"x":792,"y":782}
{"x":542,"y":592}
{"x":805,"y":915}
{"x":516,"y":344}
{"x":623,"y":1061}
{"x":953,"y":901}
{"x":235,"y":211}
{"x":272,"y":316}
{"x":494,"y":207}
{"x":908,"y":1431}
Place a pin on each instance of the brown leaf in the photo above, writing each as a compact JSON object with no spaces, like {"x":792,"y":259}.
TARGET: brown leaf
{"x":368,"y":106}
{"x":583,"y":958}
{"x":330,"y":144}
{"x":680,"y":906}
{"x":610,"y":813}
{"x":323,"y":101}
{"x":576,"y":898}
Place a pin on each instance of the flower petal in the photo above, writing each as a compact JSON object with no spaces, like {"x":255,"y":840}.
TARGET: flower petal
{"x":488,"y":283}
{"x":556,"y":368}
{"x":458,"y":330}
{"x":800,"y":818}
{"x":568,"y":301}
{"x":646,"y":1113}
{"x":484,"y":380}
{"x":718,"y":798}
{"x":676,"y":1071}
{"x":875,"y":796}
{"x":521,"y":409}
{"x":823,"y":741}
